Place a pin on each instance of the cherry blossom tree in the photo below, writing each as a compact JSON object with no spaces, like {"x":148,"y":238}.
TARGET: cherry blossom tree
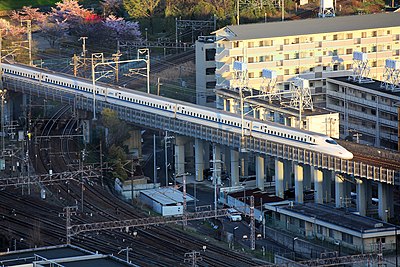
{"x":28,"y":13}
{"x":120,"y":29}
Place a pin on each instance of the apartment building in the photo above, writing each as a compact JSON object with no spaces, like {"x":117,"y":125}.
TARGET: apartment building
{"x":312,"y":49}
{"x":367,"y":111}
{"x":205,"y":71}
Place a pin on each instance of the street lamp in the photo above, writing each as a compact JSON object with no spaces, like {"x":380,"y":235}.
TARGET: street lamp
{"x":233,"y":243}
{"x":294,"y":239}
{"x":166,"y":141}
{"x":2,"y":94}
{"x":127,"y":249}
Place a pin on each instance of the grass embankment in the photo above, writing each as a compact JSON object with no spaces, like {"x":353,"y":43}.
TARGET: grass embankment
{"x":13,"y":4}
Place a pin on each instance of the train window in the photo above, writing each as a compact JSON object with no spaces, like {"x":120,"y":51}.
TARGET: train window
{"x":330,"y":141}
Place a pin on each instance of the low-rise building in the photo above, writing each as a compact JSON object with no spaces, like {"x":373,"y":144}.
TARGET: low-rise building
{"x":337,"y":226}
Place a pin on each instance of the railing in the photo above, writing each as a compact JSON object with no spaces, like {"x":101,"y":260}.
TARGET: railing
{"x":232,"y":140}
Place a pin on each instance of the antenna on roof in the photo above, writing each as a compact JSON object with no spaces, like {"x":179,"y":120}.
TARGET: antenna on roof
{"x":360,"y":68}
{"x":391,"y":77}
{"x":326,"y":9}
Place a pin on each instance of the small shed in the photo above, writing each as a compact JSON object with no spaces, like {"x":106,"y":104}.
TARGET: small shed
{"x":165,"y":200}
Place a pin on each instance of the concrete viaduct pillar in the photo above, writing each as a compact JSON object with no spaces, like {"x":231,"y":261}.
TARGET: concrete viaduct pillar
{"x":180,"y":154}
{"x":199,"y":159}
{"x":298,"y":183}
{"x":260,"y":168}
{"x":318,"y":186}
{"x":339,"y":190}
{"x":234,"y":167}
{"x":383,"y":209}
{"x":361,"y":197}
{"x":279,"y":178}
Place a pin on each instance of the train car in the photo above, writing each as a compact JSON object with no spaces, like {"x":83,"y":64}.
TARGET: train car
{"x":184,"y":111}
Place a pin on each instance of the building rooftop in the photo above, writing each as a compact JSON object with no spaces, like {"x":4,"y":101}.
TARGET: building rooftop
{"x":310,"y":26}
{"x":374,"y":85}
{"x":65,"y":255}
{"x":274,"y":105}
{"x":328,"y":214}
{"x":166,"y":195}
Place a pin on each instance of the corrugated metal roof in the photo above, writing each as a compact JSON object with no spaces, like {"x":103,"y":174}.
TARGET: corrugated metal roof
{"x":166,"y":195}
{"x":311,"y":26}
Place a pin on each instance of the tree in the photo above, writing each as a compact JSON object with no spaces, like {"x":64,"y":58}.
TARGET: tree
{"x":111,"y":7}
{"x":119,"y":29}
{"x":54,"y":32}
{"x":29,"y":13}
{"x":117,"y":129}
{"x":141,"y":8}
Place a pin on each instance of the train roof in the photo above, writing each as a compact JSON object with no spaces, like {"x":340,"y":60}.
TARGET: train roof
{"x":128,"y":90}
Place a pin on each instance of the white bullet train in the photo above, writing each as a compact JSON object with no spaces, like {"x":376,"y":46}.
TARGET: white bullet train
{"x":182,"y":110}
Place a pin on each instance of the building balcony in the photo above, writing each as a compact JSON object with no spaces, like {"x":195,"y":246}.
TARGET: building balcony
{"x":262,"y":50}
{"x":291,"y":63}
{"x":337,"y":43}
{"x":388,"y":136}
{"x":222,"y":56}
{"x":261,"y":65}
{"x":223,"y":70}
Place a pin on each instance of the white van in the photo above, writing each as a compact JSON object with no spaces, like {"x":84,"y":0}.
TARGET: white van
{"x":234,"y":215}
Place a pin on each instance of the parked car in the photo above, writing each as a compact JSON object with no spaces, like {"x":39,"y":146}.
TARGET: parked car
{"x":234,"y":215}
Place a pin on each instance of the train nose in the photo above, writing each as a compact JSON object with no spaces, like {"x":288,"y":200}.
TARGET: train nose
{"x":346,"y":154}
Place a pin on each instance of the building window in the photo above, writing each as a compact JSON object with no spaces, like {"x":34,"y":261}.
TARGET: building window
{"x":210,"y":99}
{"x":363,"y":35}
{"x":250,"y":60}
{"x":335,"y":37}
{"x":388,"y":47}
{"x":349,"y":66}
{"x":250,"y":45}
{"x":364,"y":49}
{"x":297,"y":71}
{"x":211,"y":85}
{"x":374,"y":64}
{"x":210,"y":71}
{"x":331,"y":233}
{"x":381,"y":240}
{"x":251,"y":74}
{"x":347,"y":238}
{"x":261,"y":59}
{"x":374,"y":34}
{"x":210,"y":54}
{"x":349,"y":51}
{"x":349,"y":36}
{"x":286,"y":72}
{"x":311,"y":69}
{"x":388,"y":32}
{"x":236,"y":44}
{"x":373,"y":49}
{"x":286,"y":56}
{"x":286,"y":41}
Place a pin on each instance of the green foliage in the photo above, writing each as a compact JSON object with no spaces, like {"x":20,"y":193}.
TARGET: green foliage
{"x":117,"y":129}
{"x":13,"y":4}
{"x":18,"y":4}
{"x":141,"y":8}
{"x":117,"y":157}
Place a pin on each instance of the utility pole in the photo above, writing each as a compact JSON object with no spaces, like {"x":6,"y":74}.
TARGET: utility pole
{"x":252,"y":224}
{"x":237,"y":12}
{"x":68,"y":212}
{"x":84,"y":54}
{"x":158,"y":85}
{"x":29,"y":32}
{"x":192,"y":258}
{"x":116,"y":59}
